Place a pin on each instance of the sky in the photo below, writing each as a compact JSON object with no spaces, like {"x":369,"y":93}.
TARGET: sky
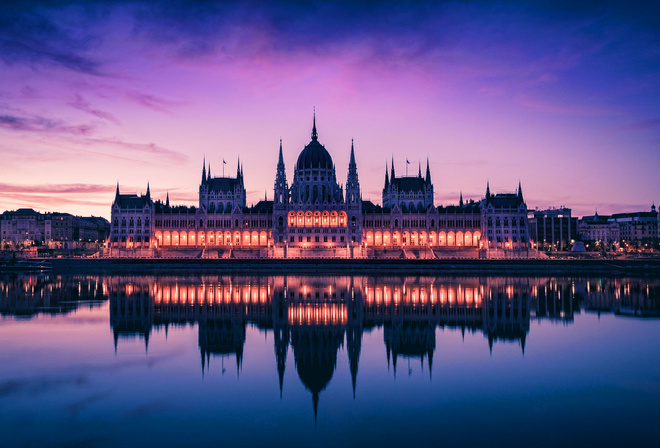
{"x":562,"y":96}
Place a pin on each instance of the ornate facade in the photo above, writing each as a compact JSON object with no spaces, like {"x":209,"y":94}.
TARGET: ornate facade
{"x":318,"y":217}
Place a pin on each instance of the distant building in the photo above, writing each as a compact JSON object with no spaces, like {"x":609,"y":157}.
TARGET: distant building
{"x":599,"y":230}
{"x":638,"y":229}
{"x":553,"y":229}
{"x":26,"y":227}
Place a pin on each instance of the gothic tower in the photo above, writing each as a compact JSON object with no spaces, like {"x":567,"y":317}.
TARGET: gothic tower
{"x":280,"y":201}
{"x":353,"y":200}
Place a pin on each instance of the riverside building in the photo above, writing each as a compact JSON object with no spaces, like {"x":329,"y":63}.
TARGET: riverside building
{"x":315,"y":216}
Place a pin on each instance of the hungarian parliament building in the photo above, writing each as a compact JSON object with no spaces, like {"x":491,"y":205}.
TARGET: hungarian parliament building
{"x":316,"y":217}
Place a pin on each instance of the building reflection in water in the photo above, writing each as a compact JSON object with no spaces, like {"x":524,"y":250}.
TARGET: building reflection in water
{"x":315,"y":316}
{"x":27,"y":296}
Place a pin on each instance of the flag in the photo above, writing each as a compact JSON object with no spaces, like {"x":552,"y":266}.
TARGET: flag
{"x":408,"y":161}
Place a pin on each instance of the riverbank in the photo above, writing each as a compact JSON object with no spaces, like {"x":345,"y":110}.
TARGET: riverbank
{"x":639,"y":266}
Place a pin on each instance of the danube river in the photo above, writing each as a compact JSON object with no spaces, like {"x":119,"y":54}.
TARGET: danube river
{"x":107,"y":361}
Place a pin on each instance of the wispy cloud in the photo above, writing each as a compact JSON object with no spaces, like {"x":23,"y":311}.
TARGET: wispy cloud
{"x":50,"y":202}
{"x":55,"y":188}
{"x":151,"y":101}
{"x":83,"y":134}
{"x":78,"y":102}
{"x":40,"y":124}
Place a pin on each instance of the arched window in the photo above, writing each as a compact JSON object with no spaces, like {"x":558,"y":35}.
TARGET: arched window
{"x":201,"y":223}
{"x":432,"y":223}
{"x":396,"y":223}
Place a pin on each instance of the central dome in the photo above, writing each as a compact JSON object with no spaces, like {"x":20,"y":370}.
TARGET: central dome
{"x":314,"y":155}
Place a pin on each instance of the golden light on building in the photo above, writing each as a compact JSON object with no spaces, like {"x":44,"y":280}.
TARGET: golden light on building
{"x":317,"y":314}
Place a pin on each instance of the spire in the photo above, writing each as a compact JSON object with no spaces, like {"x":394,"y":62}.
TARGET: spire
{"x":352,"y":166}
{"x":520,"y":195}
{"x":208,"y":174}
{"x":352,"y":160}
{"x":148,"y":191}
{"x":419,"y":173}
{"x":117,"y":193}
{"x":428,"y":172}
{"x":167,"y":200}
{"x":280,"y":161}
{"x":315,"y":135}
{"x":387,"y":179}
{"x":460,"y":201}
{"x":204,"y":170}
{"x":352,"y":182}
{"x":238,"y":168}
{"x":392,"y":175}
{"x":487,"y":191}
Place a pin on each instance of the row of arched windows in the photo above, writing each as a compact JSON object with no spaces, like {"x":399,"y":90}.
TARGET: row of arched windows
{"x":317,"y":219}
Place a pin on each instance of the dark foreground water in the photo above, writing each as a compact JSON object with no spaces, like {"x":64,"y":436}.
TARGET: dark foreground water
{"x":328,"y":361}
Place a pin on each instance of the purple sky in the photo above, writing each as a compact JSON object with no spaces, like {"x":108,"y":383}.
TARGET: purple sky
{"x":564,"y":98}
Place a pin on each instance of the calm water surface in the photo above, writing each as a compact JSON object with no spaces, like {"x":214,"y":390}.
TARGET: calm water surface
{"x":328,"y":361}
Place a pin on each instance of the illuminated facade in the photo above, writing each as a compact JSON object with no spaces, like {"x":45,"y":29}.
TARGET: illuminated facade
{"x":317,"y":217}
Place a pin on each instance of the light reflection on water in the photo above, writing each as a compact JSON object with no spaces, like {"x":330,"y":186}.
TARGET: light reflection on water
{"x":300,"y":360}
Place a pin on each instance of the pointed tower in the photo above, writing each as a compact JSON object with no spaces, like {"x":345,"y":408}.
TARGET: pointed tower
{"x":520,"y":195}
{"x":208,"y":174}
{"x":487,"y":192}
{"x":387,"y":178}
{"x":428,"y":172}
{"x":392,"y":175}
{"x":280,"y":201}
{"x":419,"y":172}
{"x":353,"y":200}
{"x":148,"y":195}
{"x":167,"y":200}
{"x":315,"y":135}
{"x":460,"y":200}
{"x":203,"y":187}
{"x":117,"y":194}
